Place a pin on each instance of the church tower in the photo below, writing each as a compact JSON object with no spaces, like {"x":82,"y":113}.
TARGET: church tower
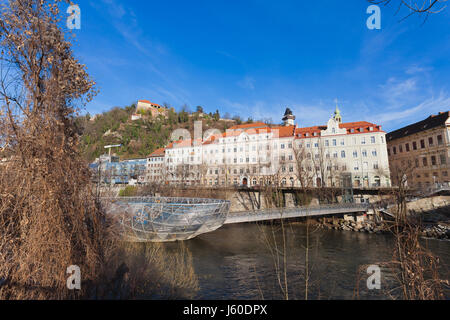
{"x":288,"y":119}
{"x":337,"y":115}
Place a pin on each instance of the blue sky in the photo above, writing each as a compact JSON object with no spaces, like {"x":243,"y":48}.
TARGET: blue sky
{"x":254,"y":58}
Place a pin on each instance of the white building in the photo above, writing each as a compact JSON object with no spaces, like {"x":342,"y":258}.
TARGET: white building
{"x":156,"y":170}
{"x":257,"y":154}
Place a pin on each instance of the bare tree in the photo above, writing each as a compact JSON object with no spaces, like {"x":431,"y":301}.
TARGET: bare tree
{"x":302,"y":165}
{"x":420,"y":7}
{"x":49,"y":217}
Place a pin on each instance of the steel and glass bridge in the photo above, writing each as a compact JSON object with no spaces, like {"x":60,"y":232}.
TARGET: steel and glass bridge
{"x":297,"y":212}
{"x":158,"y":219}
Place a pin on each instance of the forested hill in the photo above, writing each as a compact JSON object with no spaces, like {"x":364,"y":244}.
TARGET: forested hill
{"x":140,"y":137}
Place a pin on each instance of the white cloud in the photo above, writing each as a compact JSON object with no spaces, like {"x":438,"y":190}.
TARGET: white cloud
{"x":397,"y":92}
{"x":247,"y":83}
{"x":414,"y":69}
{"x":426,"y":107}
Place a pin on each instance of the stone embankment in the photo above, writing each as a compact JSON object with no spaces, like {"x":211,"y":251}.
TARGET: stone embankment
{"x":367,"y":225}
{"x":436,"y":231}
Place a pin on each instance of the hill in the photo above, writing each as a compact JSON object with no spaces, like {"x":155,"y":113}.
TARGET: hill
{"x":140,"y":137}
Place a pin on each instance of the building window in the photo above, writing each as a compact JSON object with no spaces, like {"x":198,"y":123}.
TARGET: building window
{"x":430,"y":141}
{"x":355,"y":154}
{"x":422,"y":144}
{"x":400,"y":148}
{"x":443,"y":158}
{"x":327,"y":143}
{"x":433,"y":160}
{"x":364,"y":153}
{"x":439,"y":140}
{"x":424,"y":162}
{"x":394,"y":150}
{"x":342,"y":154}
{"x":414,"y":145}
{"x":374,"y":153}
{"x":372,"y":139}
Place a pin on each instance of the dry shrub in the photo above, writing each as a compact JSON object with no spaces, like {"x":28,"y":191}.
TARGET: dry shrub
{"x":414,"y":270}
{"x":49,"y":217}
{"x":149,"y":271}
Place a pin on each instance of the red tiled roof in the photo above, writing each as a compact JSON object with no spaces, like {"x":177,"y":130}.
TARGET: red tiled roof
{"x":157,"y":153}
{"x":284,"y":131}
{"x":249,"y":125}
{"x":182,"y":143}
{"x":308,"y":131}
{"x":280,"y":131}
{"x":360,"y":124}
{"x":356,"y":126}
{"x":146,"y":101}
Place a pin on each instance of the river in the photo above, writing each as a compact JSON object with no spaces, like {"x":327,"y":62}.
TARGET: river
{"x":239,"y":262}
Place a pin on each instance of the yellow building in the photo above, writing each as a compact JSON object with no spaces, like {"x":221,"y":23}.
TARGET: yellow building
{"x":419,"y":153}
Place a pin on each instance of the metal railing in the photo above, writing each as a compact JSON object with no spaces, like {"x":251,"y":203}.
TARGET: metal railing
{"x":352,"y":206}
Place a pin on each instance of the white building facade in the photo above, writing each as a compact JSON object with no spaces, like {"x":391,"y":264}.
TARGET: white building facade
{"x":258,"y":154}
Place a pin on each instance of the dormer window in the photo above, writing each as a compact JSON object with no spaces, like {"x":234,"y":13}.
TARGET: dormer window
{"x":370,"y":128}
{"x":333,"y":130}
{"x":361,"y":129}
{"x":352,"y":130}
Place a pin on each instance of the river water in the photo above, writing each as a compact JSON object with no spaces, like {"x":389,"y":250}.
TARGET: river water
{"x":240,"y":262}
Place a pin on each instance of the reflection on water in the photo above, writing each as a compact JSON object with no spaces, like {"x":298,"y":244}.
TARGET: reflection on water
{"x":235,"y":262}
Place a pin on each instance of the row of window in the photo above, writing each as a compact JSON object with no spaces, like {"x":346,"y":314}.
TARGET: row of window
{"x":425,"y":163}
{"x":432,"y":141}
{"x":355,"y":154}
{"x":327,"y":143}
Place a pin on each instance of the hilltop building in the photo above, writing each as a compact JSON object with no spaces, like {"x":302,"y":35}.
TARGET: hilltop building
{"x":146,"y":107}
